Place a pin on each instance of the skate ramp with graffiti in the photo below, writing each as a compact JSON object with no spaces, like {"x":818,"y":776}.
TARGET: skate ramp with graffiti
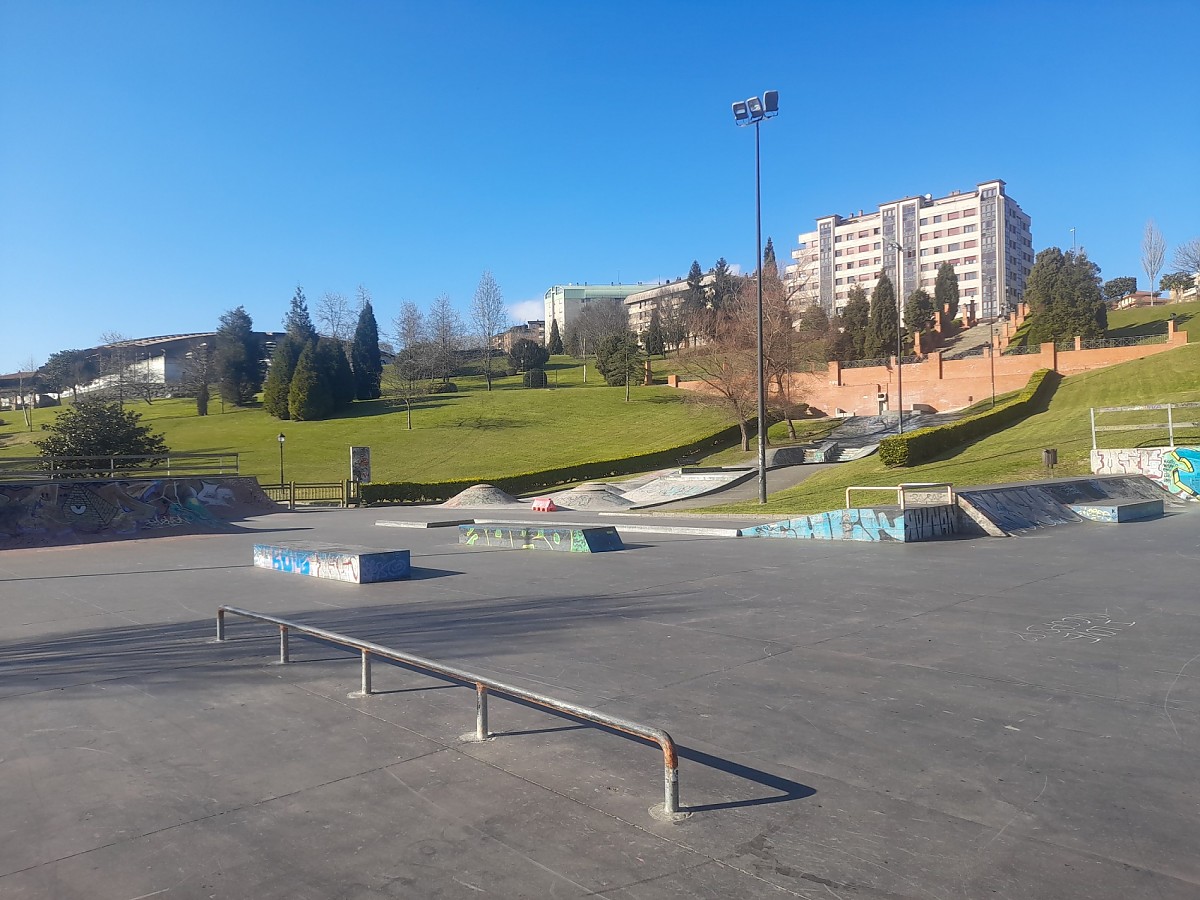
{"x":872,"y":524}
{"x":1177,"y":469}
{"x":50,"y":513}
{"x":1016,"y":509}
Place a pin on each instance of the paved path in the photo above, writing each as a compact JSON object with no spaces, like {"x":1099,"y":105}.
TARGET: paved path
{"x":1008,"y":718}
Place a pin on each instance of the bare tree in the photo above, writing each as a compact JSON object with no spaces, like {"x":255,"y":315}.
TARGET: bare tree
{"x":408,"y":328}
{"x":1187,"y":257}
{"x":410,"y":375}
{"x":1153,"y":250}
{"x":334,"y":317}
{"x":727,"y":364}
{"x":446,"y":334}
{"x":488,"y":317}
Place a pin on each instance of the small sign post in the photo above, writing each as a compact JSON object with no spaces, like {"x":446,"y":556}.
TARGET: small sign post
{"x":360,"y":464}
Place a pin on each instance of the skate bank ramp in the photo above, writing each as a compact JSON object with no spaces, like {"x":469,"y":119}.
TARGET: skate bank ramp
{"x":1015,"y":509}
{"x":49,"y":513}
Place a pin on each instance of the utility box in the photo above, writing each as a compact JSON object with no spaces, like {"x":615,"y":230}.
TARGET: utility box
{"x":1050,"y":458}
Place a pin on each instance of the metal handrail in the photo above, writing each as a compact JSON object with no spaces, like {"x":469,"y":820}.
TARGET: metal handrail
{"x":482,"y":686}
{"x":901,"y":488}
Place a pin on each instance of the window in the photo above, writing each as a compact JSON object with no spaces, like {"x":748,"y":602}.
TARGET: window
{"x":937,"y":219}
{"x":925,"y":221}
{"x":876,"y":231}
{"x":924,"y":251}
{"x":936,"y":234}
{"x":837,"y":253}
{"x":967,"y":245}
{"x":840,"y":281}
{"x":968,"y":228}
{"x":863,"y":234}
{"x":863,"y":248}
{"x":838,"y":267}
{"x":953,"y":215}
{"x":838,"y":239}
{"x":968,"y":212}
{"x":951,"y":247}
{"x":953,"y":231}
{"x":876,"y":245}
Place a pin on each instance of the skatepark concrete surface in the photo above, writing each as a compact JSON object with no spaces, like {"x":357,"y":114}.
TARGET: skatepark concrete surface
{"x":965,"y":719}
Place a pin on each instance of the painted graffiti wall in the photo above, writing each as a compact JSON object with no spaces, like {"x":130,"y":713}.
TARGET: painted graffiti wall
{"x":920,"y":523}
{"x":54,"y":512}
{"x":1175,"y":468}
{"x":355,"y":565}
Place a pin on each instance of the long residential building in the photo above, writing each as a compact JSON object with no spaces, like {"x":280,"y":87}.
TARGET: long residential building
{"x":984,"y":234}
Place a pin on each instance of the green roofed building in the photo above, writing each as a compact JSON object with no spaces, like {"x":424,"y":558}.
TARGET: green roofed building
{"x":563,"y":301}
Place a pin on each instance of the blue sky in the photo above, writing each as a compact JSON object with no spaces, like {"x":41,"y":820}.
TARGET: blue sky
{"x":162,"y":162}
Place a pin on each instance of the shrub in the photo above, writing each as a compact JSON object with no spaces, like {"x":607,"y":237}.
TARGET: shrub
{"x":916,"y":447}
{"x":444,"y":387}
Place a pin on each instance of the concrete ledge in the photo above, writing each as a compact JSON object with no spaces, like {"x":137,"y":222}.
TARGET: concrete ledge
{"x":356,"y":565}
{"x":439,"y":523}
{"x":1119,"y":512}
{"x":515,"y":536}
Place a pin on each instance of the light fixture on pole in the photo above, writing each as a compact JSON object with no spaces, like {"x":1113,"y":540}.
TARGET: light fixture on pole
{"x":899,"y":340}
{"x":752,"y":112}
{"x":281,"y":440}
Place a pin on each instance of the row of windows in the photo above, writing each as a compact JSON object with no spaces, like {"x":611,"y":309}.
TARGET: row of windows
{"x":866,"y":232}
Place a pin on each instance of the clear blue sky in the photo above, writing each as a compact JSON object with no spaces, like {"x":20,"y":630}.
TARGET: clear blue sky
{"x":162,"y":162}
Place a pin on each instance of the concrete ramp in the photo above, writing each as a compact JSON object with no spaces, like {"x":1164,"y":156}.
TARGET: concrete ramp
{"x":873,"y":524}
{"x":49,"y":513}
{"x":1020,"y":508}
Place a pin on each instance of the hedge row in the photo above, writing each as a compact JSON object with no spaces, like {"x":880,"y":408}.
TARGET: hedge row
{"x":916,"y":447}
{"x":531,"y":482}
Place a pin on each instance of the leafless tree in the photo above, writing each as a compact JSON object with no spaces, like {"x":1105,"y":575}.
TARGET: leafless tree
{"x":727,"y":364}
{"x":488,"y":318}
{"x":446,"y":334}
{"x":334,"y":317}
{"x":1187,"y":257}
{"x":1153,"y":250}
{"x":410,"y":375}
{"x":408,"y":328}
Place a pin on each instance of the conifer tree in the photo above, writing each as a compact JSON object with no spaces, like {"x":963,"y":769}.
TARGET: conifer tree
{"x":654,"y":339}
{"x":945,"y":292}
{"x":881,"y":332}
{"x":918,"y":312}
{"x":310,"y":396}
{"x":365,"y":357}
{"x":297,"y":322}
{"x":279,"y":376}
{"x":856,"y":317}
{"x":769,"y":264}
{"x":556,"y":345}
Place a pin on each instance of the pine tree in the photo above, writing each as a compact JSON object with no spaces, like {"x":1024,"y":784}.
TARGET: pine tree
{"x":918,"y":312}
{"x":856,"y":317}
{"x":945,"y":292}
{"x":309,"y":397}
{"x":881,"y":332}
{"x":695,"y":302}
{"x":365,"y":357}
{"x":297,"y":321}
{"x":1046,"y":312}
{"x":279,"y":377}
{"x":238,"y":360}
{"x":332,"y":364}
{"x":556,"y":345}
{"x":769,"y":264}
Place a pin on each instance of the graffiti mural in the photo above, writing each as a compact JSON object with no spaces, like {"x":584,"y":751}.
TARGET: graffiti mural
{"x":921,"y":523}
{"x":1175,"y":468}
{"x":56,"y":512}
{"x":1092,"y":628}
{"x":355,"y":565}
{"x":527,"y":537}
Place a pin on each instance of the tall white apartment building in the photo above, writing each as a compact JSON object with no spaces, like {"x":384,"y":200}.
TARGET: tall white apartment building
{"x":983,"y":234}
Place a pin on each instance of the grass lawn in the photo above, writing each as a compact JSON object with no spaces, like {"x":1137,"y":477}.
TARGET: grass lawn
{"x":1153,"y":320}
{"x":469,"y":434}
{"x":1015,"y":453}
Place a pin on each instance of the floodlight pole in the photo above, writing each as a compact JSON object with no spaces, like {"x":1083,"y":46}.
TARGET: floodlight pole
{"x":752,"y":112}
{"x":899,"y":340}
{"x":281,"y":440}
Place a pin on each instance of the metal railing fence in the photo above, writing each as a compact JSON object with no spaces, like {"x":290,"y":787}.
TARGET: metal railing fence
{"x":173,"y":465}
{"x":483,"y":686}
{"x":902,"y":491}
{"x":345,"y":493}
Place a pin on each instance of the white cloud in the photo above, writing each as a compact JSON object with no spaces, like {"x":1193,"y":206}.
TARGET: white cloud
{"x":526,"y":311}
{"x":735,"y":268}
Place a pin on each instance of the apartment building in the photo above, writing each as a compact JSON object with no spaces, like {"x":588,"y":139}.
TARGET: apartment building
{"x":563,"y":301}
{"x":984,"y":234}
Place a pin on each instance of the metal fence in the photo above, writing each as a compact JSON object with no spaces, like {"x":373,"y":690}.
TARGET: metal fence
{"x":918,"y":488}
{"x":865,"y":363}
{"x":1025,"y":350}
{"x":1106,"y":343}
{"x":173,"y":465}
{"x":314,"y":493}
{"x":483,"y":686}
{"x":1170,"y":425}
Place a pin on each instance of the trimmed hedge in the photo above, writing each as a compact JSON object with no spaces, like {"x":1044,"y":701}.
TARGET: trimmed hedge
{"x":531,"y":482}
{"x":916,"y":447}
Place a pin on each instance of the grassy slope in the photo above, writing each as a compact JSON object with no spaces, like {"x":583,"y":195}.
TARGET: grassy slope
{"x":469,"y":434}
{"x":1015,"y":453}
{"x":1153,"y":320}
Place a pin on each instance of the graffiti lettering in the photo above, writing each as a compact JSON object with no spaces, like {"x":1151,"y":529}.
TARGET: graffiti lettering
{"x":1092,"y":628}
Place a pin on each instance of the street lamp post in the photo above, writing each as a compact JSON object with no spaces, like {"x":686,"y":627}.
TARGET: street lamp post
{"x":992,"y":362}
{"x":899,"y":341}
{"x":281,"y":440}
{"x":752,"y":112}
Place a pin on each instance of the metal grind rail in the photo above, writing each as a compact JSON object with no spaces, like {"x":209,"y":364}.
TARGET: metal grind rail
{"x":483,"y":686}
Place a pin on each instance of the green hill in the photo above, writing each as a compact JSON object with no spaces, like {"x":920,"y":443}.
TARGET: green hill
{"x":469,"y":434}
{"x":1015,"y":454}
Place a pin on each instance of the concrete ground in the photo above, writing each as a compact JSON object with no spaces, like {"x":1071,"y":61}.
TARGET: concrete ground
{"x":855,"y":720}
